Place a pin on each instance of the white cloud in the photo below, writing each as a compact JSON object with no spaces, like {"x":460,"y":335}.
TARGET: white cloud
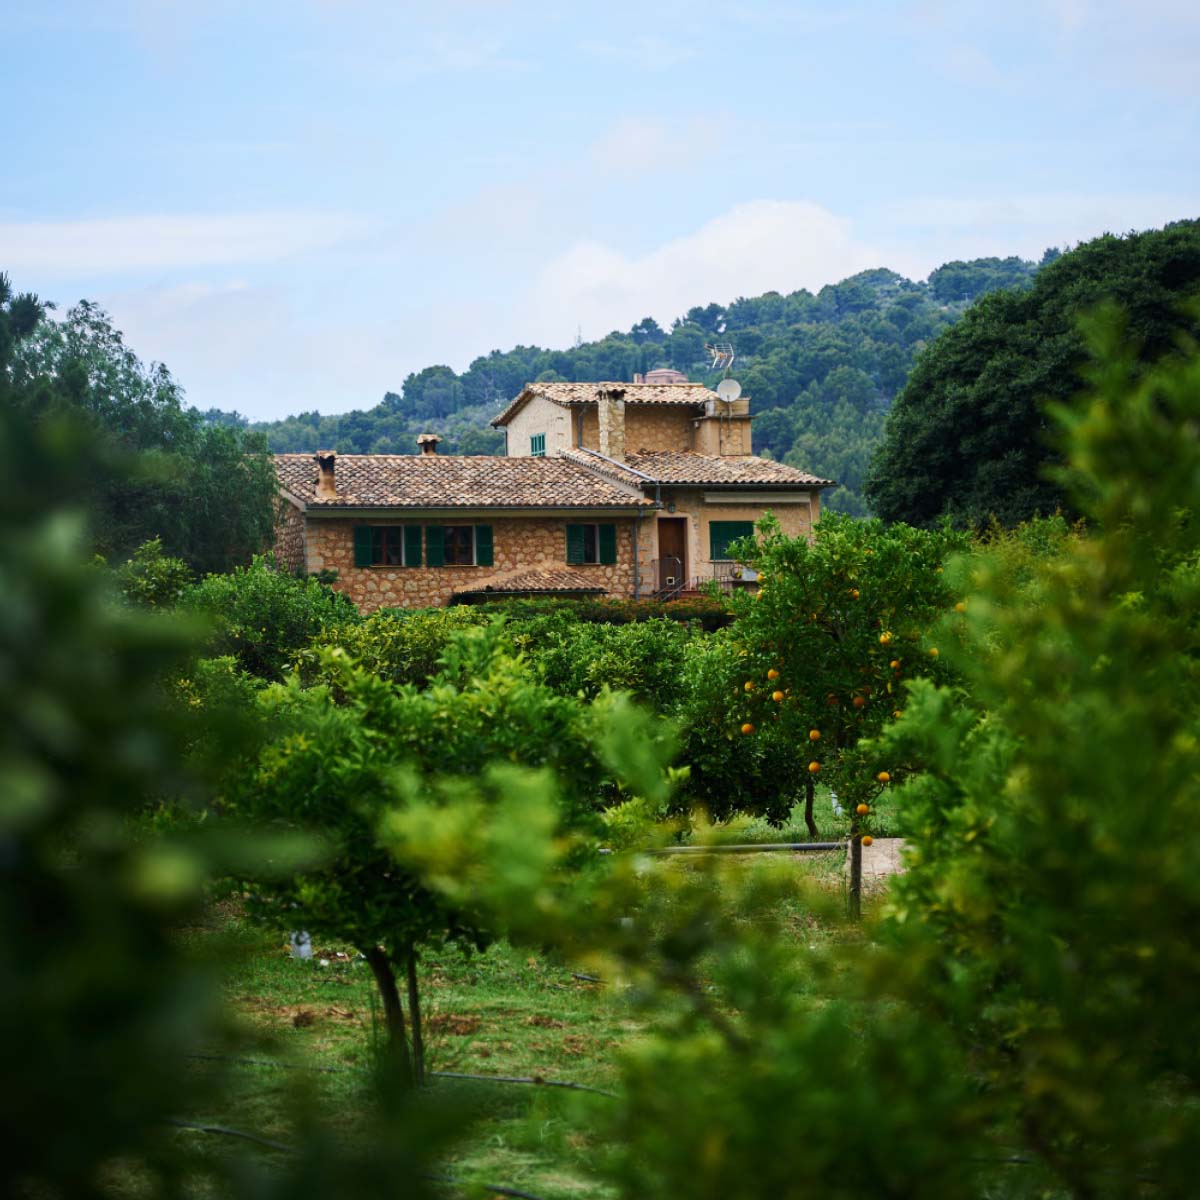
{"x":753,"y":248}
{"x":120,"y":245}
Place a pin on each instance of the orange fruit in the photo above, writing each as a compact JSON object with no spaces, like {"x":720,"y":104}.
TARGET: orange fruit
{"x":883,"y":777}
{"x":863,"y":809}
{"x":747,"y":728}
{"x":885,"y":638}
{"x":854,"y":593}
{"x":898,"y":713}
{"x":749,"y":685}
{"x":772,"y":674}
{"x":894,"y":664}
{"x":867,"y":839}
{"x":859,"y":701}
{"x":814,"y":735}
{"x":777,"y":696}
{"x":933,"y":652}
{"x":960,"y":607}
{"x":831,"y":700}
{"x":814,"y":767}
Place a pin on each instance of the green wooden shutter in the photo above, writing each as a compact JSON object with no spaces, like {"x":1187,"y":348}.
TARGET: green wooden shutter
{"x":412,"y":545}
{"x":435,"y":546}
{"x":607,"y":543}
{"x":721,"y":533}
{"x":362,"y":545}
{"x":575,"y":548}
{"x":483,"y":545}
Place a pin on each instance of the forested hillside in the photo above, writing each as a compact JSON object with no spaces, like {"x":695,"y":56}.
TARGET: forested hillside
{"x":820,"y":370}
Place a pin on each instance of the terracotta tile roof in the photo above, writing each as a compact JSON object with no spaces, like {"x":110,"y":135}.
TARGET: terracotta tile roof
{"x":680,"y":466}
{"x":567,"y":394}
{"x":538,"y":581}
{"x":448,"y":481}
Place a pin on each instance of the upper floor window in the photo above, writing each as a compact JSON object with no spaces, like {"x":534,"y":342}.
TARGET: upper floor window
{"x":537,"y":445}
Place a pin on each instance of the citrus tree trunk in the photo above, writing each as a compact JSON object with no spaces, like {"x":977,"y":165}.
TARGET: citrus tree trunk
{"x":855,"y":869}
{"x":810,"y":791}
{"x":414,"y":1017}
{"x":393,"y":1012}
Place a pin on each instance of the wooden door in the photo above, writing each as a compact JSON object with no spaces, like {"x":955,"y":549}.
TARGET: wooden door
{"x":672,"y":551}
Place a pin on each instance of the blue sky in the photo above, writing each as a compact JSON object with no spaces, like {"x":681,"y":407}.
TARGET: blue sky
{"x":293,"y":205}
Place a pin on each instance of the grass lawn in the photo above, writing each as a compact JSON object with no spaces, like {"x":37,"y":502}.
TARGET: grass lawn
{"x":501,"y":1012}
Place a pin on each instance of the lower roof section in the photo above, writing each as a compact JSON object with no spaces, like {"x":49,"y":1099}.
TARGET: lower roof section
{"x":527,"y":583}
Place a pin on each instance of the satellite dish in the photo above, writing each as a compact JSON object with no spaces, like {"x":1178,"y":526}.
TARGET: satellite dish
{"x":729,"y":390}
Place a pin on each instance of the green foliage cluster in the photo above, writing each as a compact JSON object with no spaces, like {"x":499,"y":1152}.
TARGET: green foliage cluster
{"x":825,"y":646}
{"x":152,"y":579}
{"x":969,"y":437}
{"x":263,"y":617}
{"x":821,"y":371}
{"x":208,"y":492}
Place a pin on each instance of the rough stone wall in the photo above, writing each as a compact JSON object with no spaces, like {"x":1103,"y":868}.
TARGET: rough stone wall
{"x":519,"y":544}
{"x":794,"y":520}
{"x":591,"y":427}
{"x":539,"y":416}
{"x":612,"y":427}
{"x":648,"y":427}
{"x":716,"y":435}
{"x":289,"y":537}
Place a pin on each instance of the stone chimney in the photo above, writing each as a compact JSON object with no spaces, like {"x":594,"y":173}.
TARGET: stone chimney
{"x":612,"y":423}
{"x":428,"y":442}
{"x":326,"y":485}
{"x":638,"y":377}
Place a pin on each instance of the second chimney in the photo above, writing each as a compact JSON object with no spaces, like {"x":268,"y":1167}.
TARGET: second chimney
{"x":428,"y":443}
{"x":326,"y":484}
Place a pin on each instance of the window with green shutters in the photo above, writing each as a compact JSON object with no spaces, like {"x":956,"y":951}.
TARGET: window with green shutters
{"x":721,"y":533}
{"x":537,"y":445}
{"x":459,"y":545}
{"x":387,"y":545}
{"x":591,"y":544}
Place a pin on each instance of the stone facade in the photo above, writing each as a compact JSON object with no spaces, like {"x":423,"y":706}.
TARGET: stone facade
{"x":656,"y":427}
{"x":289,"y":538}
{"x":796,"y":515}
{"x":519,"y":544}
{"x":540,"y":416}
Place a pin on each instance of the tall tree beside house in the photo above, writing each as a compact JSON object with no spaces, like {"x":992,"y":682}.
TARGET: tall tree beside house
{"x":204,"y":487}
{"x":968,"y":436}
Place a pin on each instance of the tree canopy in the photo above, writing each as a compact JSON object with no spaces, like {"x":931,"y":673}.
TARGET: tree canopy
{"x":206,"y":489}
{"x":968,"y":436}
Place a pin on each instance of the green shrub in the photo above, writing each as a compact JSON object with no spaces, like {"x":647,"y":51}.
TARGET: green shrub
{"x":262,"y":616}
{"x":152,"y":579}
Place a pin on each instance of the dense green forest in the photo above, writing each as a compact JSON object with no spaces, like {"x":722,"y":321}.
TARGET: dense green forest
{"x":820,"y":370}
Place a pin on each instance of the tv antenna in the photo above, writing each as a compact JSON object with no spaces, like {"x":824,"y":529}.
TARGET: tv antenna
{"x":722,"y":356}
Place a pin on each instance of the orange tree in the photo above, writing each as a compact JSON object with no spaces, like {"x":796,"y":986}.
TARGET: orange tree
{"x":820,"y":653}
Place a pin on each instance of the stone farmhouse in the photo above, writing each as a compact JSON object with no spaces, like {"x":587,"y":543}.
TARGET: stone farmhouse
{"x":619,"y":489}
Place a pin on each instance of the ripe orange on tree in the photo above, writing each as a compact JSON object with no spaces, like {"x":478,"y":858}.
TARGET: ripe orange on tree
{"x":749,"y":685}
{"x":814,"y":735}
{"x":883,"y":777}
{"x":772,"y":674}
{"x":885,"y":638}
{"x":777,"y":696}
{"x":863,"y":809}
{"x":747,"y":728}
{"x":814,"y":767}
{"x":867,"y":839}
{"x":859,"y":701}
